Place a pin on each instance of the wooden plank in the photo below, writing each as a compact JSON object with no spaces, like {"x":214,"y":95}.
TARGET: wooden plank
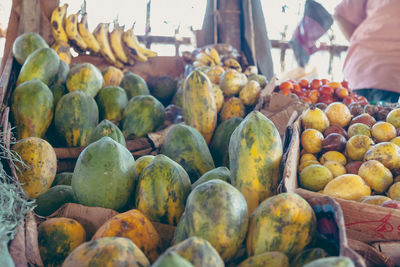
{"x":229,"y":23}
{"x":30,"y":17}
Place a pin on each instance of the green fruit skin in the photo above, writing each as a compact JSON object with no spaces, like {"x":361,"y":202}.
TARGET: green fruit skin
{"x":331,"y":262}
{"x":48,"y":202}
{"x":26,"y":44}
{"x":221,"y":173}
{"x":171,"y":259}
{"x":177,"y":99}
{"x":255,"y":152}
{"x":107,"y":128}
{"x":134,"y":85}
{"x":42,"y":64}
{"x":111,"y":101}
{"x":186,"y":146}
{"x":104,"y":175}
{"x":62,"y":178}
{"x":58,"y":91}
{"x":162,"y":190}
{"x":198,"y":252}
{"x":32,"y":108}
{"x":163,"y":88}
{"x":217,"y":212}
{"x":261,"y":79}
{"x":142,"y":115}
{"x":267,"y":259}
{"x":62,"y":74}
{"x":219,"y":145}
{"x":85,"y":77}
{"x":307,"y":256}
{"x":76,"y":116}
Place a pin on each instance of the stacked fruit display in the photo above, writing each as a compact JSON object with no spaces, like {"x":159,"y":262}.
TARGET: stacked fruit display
{"x":351,"y":157}
{"x":118,"y":47}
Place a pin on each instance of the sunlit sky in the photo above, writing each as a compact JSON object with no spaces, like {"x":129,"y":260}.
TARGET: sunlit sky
{"x":188,"y":15}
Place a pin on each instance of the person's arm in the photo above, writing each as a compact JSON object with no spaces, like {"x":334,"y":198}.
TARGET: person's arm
{"x":345,"y":26}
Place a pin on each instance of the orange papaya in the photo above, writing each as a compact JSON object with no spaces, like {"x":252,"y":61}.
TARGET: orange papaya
{"x":112,"y":76}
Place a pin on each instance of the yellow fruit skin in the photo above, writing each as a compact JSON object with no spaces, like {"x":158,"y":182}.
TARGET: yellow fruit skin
{"x":219,"y":97}
{"x":314,"y":118}
{"x":214,"y":73}
{"x":232,"y":108}
{"x":336,"y":168}
{"x":315,"y":177}
{"x":40,"y":167}
{"x":311,"y":141}
{"x":383,"y":131}
{"x":267,"y":259}
{"x":231,"y":82}
{"x":386,"y":153}
{"x":250,"y":93}
{"x":63,"y":51}
{"x":374,"y":200}
{"x":135,"y":226}
{"x":357,"y":146}
{"x":377,"y":176}
{"x":394,"y":191}
{"x":347,"y":186}
{"x":393,"y":117}
{"x":57,"y":238}
{"x":333,"y":156}
{"x":142,"y":162}
{"x":112,"y":76}
{"x":338,"y":113}
{"x":199,"y":108}
{"x":307,"y":163}
{"x":307,"y":157}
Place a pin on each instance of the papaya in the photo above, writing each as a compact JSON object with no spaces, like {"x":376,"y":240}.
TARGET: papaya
{"x":232,"y":108}
{"x":199,"y":108}
{"x":142,"y":115}
{"x":107,"y":128}
{"x":177,"y":99}
{"x":27,"y":43}
{"x":75,"y":118}
{"x":62,"y":178}
{"x":255,"y":152}
{"x":162,"y":190}
{"x":218,"y":96}
{"x":267,"y":259}
{"x":107,"y":251}
{"x":40,"y":165}
{"x":219,"y":146}
{"x":57,"y":238}
{"x":142,"y":163}
{"x":214,"y":73}
{"x":85,"y":77}
{"x":104,"y":175}
{"x":231,"y":82}
{"x":63,"y":50}
{"x":134,"y":85}
{"x":307,"y":256}
{"x":32,"y":108}
{"x":341,"y":261}
{"x":221,"y":173}
{"x":52,"y":199}
{"x":171,"y":259}
{"x":198,"y":252}
{"x":62,"y":73}
{"x":250,"y":93}
{"x":186,"y":146}
{"x":42,"y":64}
{"x":112,"y":76}
{"x":58,"y":91}
{"x":217,"y":212}
{"x":163,"y":88}
{"x":111,"y":101}
{"x":285,"y":223}
{"x":135,"y":226}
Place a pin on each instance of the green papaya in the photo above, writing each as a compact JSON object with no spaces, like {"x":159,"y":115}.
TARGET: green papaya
{"x":177,"y":99}
{"x":162,"y":190}
{"x":186,"y":146}
{"x":75,"y":118}
{"x":134,"y":85}
{"x":217,"y":212}
{"x":107,"y":128}
{"x":58,"y":91}
{"x":111,"y":101}
{"x":85,"y":77}
{"x":163,"y":88}
{"x":267,"y":259}
{"x":306,"y":256}
{"x":42,"y":64}
{"x":62,"y":178}
{"x":221,"y":173}
{"x":255,"y":152}
{"x":142,"y":115}
{"x":62,"y":73}
{"x":32,"y":108}
{"x":171,"y":259}
{"x":142,"y":163}
{"x":104,"y":175}
{"x":331,"y":262}
{"x":219,"y":146}
{"x":54,"y":198}
{"x":26,"y":44}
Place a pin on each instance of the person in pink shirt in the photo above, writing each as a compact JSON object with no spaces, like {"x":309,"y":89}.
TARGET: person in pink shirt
{"x":372,"y":64}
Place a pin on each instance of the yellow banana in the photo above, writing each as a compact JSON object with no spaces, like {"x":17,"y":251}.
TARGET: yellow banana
{"x":204,"y":59}
{"x":132,"y":46}
{"x":57,"y":23}
{"x":87,"y":36}
{"x":116,"y":43}
{"x":71,"y":27}
{"x":101,"y":35}
{"x":213,"y":53}
{"x":232,"y":64}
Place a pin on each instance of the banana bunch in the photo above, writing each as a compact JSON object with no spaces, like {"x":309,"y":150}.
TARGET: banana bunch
{"x":118,"y":47}
{"x":207,"y":57}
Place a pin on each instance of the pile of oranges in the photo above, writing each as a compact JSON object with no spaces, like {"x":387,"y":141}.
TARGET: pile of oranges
{"x":322,"y":91}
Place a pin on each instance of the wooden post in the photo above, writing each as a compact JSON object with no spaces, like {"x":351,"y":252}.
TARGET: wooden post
{"x":30,"y":16}
{"x":229,"y":23}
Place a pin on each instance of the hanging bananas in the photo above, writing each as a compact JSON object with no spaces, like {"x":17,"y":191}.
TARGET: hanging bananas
{"x":71,"y":27}
{"x":117,"y":45}
{"x":131,"y":46}
{"x":91,"y":42}
{"x":57,"y":23}
{"x":101,"y":35}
